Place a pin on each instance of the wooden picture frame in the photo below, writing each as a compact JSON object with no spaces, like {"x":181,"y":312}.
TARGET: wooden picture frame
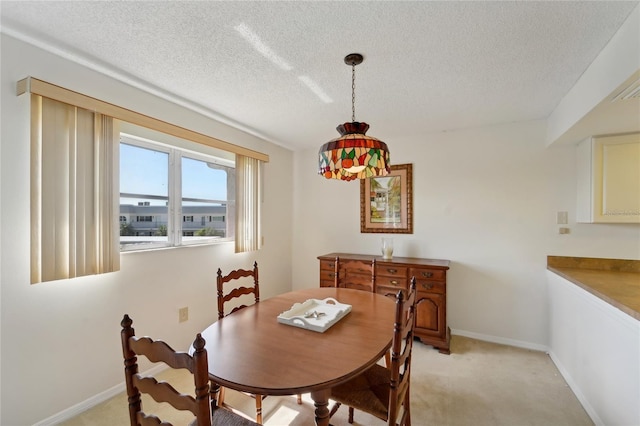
{"x":386,"y":202}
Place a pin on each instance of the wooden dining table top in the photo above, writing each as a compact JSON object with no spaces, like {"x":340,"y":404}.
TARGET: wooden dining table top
{"x":251,"y":351}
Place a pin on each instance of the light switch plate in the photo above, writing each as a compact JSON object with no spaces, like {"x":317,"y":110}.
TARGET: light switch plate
{"x":562,"y":218}
{"x":183,"y":314}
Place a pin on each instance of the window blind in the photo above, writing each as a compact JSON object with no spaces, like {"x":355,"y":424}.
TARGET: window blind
{"x":74,"y":191}
{"x":248,"y":200}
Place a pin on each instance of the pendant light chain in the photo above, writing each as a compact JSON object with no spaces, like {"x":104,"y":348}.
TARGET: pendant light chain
{"x":353,"y":92}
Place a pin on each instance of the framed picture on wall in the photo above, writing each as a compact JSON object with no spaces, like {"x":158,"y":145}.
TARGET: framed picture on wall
{"x":386,"y":202}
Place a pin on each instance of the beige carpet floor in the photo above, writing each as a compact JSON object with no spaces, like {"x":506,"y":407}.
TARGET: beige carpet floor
{"x":479,"y":384}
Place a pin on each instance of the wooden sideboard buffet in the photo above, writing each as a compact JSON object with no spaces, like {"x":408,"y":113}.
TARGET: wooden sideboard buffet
{"x":387,"y":276}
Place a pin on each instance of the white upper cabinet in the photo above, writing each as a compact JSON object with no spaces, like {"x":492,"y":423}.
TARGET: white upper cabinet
{"x":609,"y":179}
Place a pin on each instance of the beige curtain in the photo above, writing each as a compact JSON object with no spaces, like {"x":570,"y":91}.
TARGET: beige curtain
{"x":248,"y":200}
{"x":74,"y":191}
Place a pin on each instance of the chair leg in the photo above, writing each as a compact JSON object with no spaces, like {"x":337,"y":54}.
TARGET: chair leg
{"x":259,"y":409}
{"x":221,"y":397}
{"x":299,"y":399}
{"x":215,"y":392}
{"x":334,"y":409}
{"x":408,"y":408}
{"x":351,"y":415}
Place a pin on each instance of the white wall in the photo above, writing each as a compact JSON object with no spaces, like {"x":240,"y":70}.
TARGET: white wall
{"x":60,"y":340}
{"x":597,"y":349}
{"x":486,"y":199}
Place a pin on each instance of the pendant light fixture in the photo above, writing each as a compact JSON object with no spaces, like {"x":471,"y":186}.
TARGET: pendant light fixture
{"x":353,"y":155}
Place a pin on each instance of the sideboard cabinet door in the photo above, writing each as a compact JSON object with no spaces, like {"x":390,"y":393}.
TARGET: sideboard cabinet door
{"x":431,"y":317}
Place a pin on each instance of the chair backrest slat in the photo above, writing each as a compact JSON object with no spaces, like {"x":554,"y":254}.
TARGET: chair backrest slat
{"x":164,"y":392}
{"x":158,"y":351}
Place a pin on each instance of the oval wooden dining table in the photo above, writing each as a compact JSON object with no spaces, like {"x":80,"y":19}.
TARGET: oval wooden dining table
{"x":250,"y":351}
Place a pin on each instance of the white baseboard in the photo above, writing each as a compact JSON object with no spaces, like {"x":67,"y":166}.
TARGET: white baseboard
{"x":500,"y":340}
{"x":576,"y":390}
{"x":92,"y":402}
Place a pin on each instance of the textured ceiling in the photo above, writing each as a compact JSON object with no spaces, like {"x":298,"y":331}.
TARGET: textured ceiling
{"x":429,"y":66}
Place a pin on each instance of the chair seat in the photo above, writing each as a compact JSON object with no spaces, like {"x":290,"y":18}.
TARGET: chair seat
{"x":368,"y":392}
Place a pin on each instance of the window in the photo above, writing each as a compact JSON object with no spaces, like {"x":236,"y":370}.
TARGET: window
{"x":87,"y":241}
{"x":170,"y":191}
{"x":123,"y":218}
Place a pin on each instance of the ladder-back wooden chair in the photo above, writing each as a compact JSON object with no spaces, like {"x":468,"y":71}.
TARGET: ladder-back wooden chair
{"x":158,"y":351}
{"x":226,"y":294}
{"x":381,"y":391}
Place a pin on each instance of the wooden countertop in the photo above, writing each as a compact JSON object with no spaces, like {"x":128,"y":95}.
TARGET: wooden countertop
{"x":616,"y":281}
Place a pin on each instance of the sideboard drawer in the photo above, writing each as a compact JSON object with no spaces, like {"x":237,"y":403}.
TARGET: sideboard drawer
{"x":428,"y":274}
{"x":327,"y":275}
{"x":391,"y":271}
{"x":393,"y":282}
{"x":430,"y":286}
{"x":327,"y":265}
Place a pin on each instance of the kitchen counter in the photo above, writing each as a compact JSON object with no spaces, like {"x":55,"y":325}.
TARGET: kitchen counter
{"x":616,"y":281}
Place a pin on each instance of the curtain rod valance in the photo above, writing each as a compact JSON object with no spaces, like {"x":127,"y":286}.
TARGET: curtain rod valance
{"x":51,"y":91}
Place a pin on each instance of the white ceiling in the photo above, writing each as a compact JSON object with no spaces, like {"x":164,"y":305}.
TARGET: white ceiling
{"x":429,"y":66}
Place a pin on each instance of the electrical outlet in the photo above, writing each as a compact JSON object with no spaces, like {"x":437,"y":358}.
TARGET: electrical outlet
{"x":183,"y":314}
{"x":563,"y":230}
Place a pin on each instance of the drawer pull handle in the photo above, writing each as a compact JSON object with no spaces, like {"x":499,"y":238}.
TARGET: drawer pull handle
{"x":394,"y":282}
{"x":392,"y":271}
{"x":427,"y":286}
{"x":333,"y":265}
{"x":332,"y":275}
{"x":427,"y":274}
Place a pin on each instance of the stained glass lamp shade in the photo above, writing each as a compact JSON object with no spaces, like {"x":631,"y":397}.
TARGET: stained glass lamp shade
{"x":353,"y":155}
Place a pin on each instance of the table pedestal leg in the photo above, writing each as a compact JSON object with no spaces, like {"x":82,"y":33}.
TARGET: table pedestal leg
{"x":321,"y":402}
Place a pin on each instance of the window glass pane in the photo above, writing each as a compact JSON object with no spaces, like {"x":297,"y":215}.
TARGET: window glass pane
{"x":204,"y":201}
{"x":144,"y":197}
